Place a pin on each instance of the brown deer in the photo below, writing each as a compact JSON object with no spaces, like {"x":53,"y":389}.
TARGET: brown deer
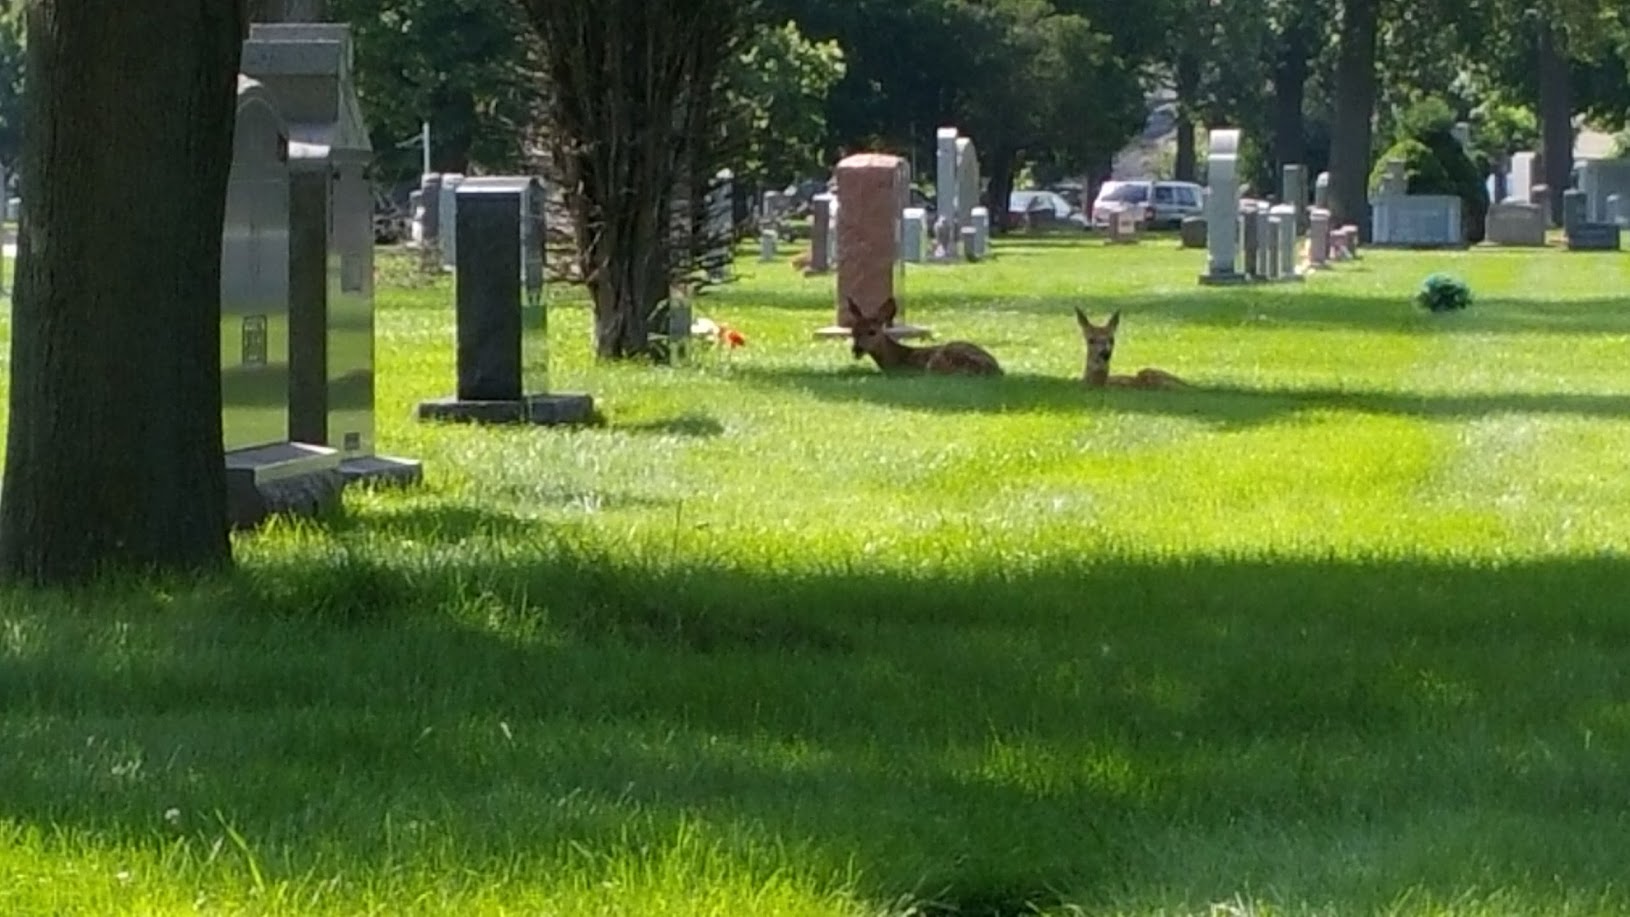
{"x":802,"y":261}
{"x":871,"y":338}
{"x":1101,"y":346}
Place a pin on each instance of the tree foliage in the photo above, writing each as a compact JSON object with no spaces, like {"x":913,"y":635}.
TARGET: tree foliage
{"x":466,"y":66}
{"x":778,"y":88}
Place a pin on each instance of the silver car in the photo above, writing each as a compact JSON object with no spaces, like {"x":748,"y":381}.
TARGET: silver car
{"x":1164,"y":203}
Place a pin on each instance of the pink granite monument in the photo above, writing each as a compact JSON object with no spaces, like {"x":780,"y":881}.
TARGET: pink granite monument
{"x":870,"y":187}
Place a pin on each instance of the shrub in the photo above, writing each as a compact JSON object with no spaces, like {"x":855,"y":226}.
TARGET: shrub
{"x":1436,"y":163}
{"x":1442,"y":293}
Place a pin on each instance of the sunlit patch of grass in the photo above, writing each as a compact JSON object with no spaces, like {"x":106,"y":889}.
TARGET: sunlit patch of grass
{"x":1335,"y":631}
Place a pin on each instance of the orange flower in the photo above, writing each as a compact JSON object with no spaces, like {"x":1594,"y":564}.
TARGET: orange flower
{"x":731,"y":337}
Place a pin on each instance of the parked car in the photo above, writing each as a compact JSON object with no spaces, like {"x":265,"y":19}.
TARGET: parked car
{"x":1164,"y":203}
{"x":1042,"y":208}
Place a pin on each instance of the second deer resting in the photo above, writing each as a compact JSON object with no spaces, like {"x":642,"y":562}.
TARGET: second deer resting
{"x":1101,"y":346}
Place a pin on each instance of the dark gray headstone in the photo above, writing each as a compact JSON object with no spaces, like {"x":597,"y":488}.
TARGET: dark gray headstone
{"x":1573,"y":210}
{"x":1193,"y":232}
{"x":489,"y":297}
{"x":1593,"y":237}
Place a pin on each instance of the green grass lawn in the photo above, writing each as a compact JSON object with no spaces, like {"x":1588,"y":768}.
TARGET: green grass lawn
{"x":1337,"y":631}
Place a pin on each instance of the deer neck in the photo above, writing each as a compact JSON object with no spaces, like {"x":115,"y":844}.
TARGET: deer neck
{"x":1097,"y":374}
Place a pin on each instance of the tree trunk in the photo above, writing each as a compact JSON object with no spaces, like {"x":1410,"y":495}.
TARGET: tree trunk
{"x":1290,"y":92}
{"x":1188,"y":88}
{"x":1355,"y":111}
{"x":999,"y":189}
{"x":1555,"y":119}
{"x":114,"y":456}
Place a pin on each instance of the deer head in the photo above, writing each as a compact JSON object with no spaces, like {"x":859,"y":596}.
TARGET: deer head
{"x":870,"y":331}
{"x":1100,"y":340}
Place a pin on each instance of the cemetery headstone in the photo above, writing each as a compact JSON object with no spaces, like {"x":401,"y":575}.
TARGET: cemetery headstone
{"x":1583,"y":233}
{"x":1222,"y":206}
{"x":447,"y":219}
{"x":820,"y":234}
{"x":1123,"y":225}
{"x":1515,"y":223}
{"x":1193,"y":232}
{"x":1418,"y":221}
{"x":1286,"y":239}
{"x":1318,"y":238}
{"x":1600,"y":179}
{"x":1573,"y":210}
{"x":834,"y":248}
{"x":946,"y":184}
{"x":913,"y":234}
{"x":767,"y":242}
{"x":1251,"y":239}
{"x":503,"y":342}
{"x":869,"y":272}
{"x":1395,"y":179}
{"x":430,"y":191}
{"x":1522,"y":177}
{"x":970,"y":243}
{"x":263,"y":462}
{"x":1321,"y":190}
{"x":1266,"y":244}
{"x":1271,"y":245}
{"x":968,"y":181}
{"x":307,"y":68}
{"x":981,"y":232}
{"x":1616,"y":210}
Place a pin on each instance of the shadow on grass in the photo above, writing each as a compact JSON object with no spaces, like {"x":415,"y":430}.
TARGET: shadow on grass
{"x":1221,"y":404}
{"x":694,"y":426}
{"x":1111,"y":730}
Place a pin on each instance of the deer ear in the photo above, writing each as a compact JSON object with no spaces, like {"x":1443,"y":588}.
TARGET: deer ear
{"x":854,"y":310}
{"x":888,"y":311}
{"x":1114,"y":320}
{"x":1081,"y":319}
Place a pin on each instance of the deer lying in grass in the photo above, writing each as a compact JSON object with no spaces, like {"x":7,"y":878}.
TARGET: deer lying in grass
{"x":871,"y":338}
{"x":802,"y":261}
{"x":1101,"y":346}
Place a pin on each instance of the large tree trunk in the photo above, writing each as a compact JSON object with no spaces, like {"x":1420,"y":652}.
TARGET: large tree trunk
{"x":1290,"y":92}
{"x":633,"y":88}
{"x":114,"y":456}
{"x":1188,"y":90}
{"x":1555,"y":118}
{"x":1355,"y":110}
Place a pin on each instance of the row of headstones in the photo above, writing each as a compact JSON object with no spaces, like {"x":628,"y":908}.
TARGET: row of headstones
{"x":435,"y":224}
{"x":1604,"y":182}
{"x":1269,"y":234}
{"x":972,"y":242}
{"x":1592,"y":213}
